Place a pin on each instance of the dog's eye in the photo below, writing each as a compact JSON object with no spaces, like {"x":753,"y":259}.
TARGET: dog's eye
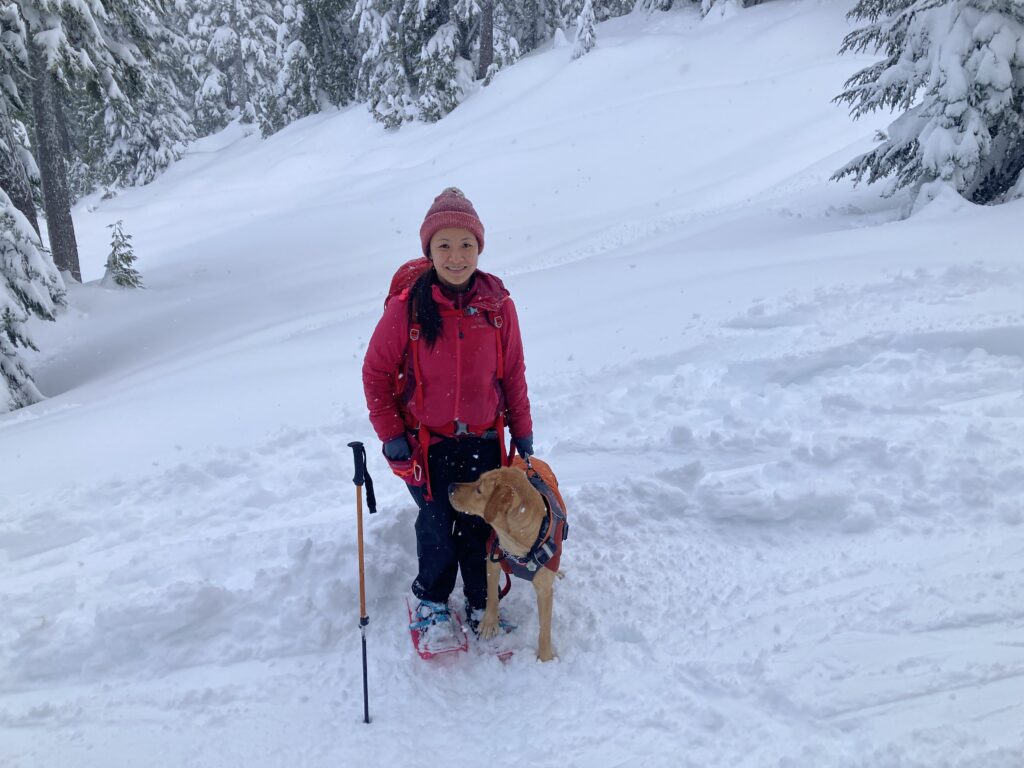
{"x":478,"y":491}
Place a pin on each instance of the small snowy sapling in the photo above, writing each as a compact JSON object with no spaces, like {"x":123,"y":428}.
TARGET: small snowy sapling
{"x":120,"y":269}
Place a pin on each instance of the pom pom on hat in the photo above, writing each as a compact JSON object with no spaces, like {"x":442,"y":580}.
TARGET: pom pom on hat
{"x":451,"y":209}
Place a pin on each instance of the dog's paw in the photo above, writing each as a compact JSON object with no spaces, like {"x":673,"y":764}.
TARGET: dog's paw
{"x":489,"y":628}
{"x":545,"y":654}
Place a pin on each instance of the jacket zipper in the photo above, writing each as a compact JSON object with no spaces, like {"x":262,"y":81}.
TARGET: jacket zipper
{"x":458,"y":358}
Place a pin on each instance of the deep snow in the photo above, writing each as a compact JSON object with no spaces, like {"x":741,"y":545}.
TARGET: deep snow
{"x":788,"y":424}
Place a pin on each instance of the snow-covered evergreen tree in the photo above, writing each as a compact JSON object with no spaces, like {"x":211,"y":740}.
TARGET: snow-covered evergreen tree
{"x":586,"y":32}
{"x":438,"y":76}
{"x":290,"y":95}
{"x":955,"y":68}
{"x":329,"y":35}
{"x":656,"y":5}
{"x":120,"y":267}
{"x":18,"y":170}
{"x":234,"y":45}
{"x":29,"y":286}
{"x":131,"y":138}
{"x":383,"y":80}
{"x":506,"y":47}
{"x":611,"y":9}
{"x":211,"y":103}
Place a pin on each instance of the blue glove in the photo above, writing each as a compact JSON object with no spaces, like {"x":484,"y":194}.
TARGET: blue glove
{"x":397,"y":449}
{"x":524,"y":444}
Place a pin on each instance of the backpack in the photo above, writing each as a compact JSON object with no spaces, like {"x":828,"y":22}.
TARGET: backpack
{"x":405,"y":276}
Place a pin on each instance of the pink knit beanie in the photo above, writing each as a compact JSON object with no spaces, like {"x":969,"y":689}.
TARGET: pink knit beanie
{"x":451,"y":209}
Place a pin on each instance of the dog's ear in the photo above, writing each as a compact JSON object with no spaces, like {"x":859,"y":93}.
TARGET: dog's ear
{"x":501,"y":498}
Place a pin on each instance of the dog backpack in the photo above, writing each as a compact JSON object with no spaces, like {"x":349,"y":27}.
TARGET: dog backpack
{"x":547,"y":550}
{"x":542,"y":477}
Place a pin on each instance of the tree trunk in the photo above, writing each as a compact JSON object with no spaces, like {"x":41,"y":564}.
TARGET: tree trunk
{"x":53,"y":168}
{"x":62,"y":123}
{"x":241,"y":85}
{"x":13,"y":179}
{"x":486,"y":39}
{"x":326,"y":45}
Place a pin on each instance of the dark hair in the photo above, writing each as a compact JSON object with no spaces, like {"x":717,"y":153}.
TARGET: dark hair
{"x":423,"y":309}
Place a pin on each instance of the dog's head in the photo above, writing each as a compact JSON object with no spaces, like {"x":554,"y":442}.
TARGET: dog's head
{"x":504,"y":498}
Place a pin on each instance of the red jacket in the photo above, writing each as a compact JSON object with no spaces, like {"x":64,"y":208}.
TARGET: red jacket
{"x":460,"y":381}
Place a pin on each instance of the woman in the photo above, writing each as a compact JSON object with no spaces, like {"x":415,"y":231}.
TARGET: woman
{"x":443,"y":375}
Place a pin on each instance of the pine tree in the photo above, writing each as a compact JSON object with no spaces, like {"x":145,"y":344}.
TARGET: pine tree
{"x":290,"y":96}
{"x":127,"y":133}
{"x":17,"y":168}
{"x":71,"y":48}
{"x":141,"y":134}
{"x":53,"y":162}
{"x":527,"y":22}
{"x":439,"y":79}
{"x":383,"y":81}
{"x":233,"y":57}
{"x":565,"y":13}
{"x":329,"y":35}
{"x":212,"y":100}
{"x":955,"y":68}
{"x":121,"y":260}
{"x":611,"y":9}
{"x":660,"y":5}
{"x":505,"y":43}
{"x":29,"y":286}
{"x":586,"y":33}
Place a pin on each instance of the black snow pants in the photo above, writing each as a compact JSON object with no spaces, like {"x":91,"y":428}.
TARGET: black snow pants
{"x":446,"y":540}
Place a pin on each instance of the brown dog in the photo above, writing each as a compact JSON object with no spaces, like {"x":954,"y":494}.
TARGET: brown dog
{"x":515,"y":510}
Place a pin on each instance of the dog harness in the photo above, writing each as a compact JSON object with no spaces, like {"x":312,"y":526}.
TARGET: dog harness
{"x":546,"y":552}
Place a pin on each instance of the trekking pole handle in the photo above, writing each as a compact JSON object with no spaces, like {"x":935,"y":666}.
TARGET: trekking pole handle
{"x":359,"y":458}
{"x":362,"y":475}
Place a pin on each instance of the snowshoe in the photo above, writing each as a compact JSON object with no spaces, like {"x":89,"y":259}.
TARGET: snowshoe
{"x":435,"y":630}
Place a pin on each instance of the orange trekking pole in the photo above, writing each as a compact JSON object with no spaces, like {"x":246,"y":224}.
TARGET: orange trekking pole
{"x":362,"y":476}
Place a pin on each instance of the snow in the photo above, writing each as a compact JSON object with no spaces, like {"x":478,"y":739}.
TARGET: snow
{"x":786,"y":421}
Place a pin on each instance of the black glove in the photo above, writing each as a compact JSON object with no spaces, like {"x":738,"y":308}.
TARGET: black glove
{"x":397,"y":449}
{"x":524,"y":445}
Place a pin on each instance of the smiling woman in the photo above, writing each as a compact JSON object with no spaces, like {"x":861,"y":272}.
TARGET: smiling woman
{"x":443,"y":375}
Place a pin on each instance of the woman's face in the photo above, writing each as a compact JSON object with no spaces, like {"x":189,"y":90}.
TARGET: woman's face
{"x":455,"y":253}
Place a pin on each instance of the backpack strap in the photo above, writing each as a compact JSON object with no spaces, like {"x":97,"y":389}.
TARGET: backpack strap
{"x":496,"y":323}
{"x":415,"y":335}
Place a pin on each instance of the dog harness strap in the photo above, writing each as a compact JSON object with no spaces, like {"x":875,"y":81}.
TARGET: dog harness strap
{"x":545,"y":553}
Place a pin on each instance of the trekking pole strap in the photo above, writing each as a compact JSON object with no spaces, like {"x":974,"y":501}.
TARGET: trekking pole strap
{"x":362,"y":475}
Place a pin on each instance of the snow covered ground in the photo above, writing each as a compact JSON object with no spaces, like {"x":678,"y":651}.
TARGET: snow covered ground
{"x":789,"y":425}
